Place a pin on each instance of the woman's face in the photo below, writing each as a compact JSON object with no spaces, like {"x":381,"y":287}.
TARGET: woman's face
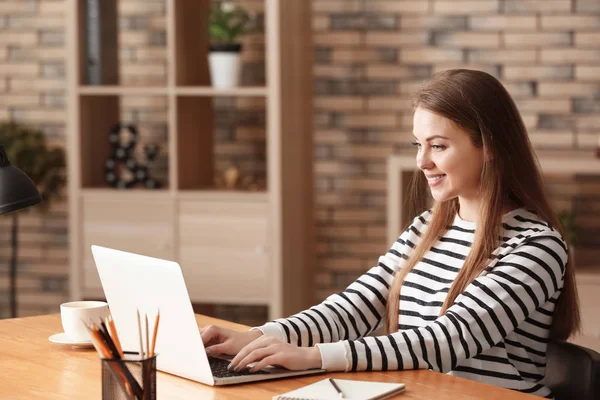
{"x":447,"y":157}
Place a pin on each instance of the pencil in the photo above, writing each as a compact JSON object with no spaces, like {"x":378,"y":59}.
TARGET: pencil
{"x":140,"y":334}
{"x":147,"y":335}
{"x":104,"y":352}
{"x":155,"y":332}
{"x":112,"y":330}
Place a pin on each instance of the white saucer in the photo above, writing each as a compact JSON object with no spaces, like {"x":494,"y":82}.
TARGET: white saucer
{"x":61,"y":338}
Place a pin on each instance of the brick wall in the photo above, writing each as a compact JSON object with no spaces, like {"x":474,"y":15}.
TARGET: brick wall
{"x":32,"y":86}
{"x":370,"y":56}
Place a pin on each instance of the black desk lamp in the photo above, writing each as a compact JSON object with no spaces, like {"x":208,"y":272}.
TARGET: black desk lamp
{"x":17,"y":191}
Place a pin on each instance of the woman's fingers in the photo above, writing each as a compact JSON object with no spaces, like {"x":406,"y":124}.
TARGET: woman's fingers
{"x":256,"y":355}
{"x":216,"y":349}
{"x":265,"y":362}
{"x":209,"y":333}
{"x":262,"y":341}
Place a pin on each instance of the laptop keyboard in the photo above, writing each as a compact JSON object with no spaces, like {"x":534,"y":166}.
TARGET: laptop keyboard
{"x":219,"y":369}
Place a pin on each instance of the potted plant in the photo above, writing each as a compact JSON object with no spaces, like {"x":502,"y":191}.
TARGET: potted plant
{"x":27,"y":149}
{"x":568,"y":221}
{"x":227,"y":23}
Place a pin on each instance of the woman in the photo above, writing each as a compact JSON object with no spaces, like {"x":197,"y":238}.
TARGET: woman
{"x":475,"y":287}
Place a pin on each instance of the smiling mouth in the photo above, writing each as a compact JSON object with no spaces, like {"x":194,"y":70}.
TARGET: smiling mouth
{"x":433,"y":179}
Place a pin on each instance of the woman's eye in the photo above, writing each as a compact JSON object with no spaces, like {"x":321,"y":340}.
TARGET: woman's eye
{"x":438,"y":147}
{"x":416,"y":144}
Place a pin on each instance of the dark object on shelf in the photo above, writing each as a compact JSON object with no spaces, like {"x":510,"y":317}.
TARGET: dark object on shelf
{"x":101,"y":42}
{"x":151,"y":151}
{"x":122,"y":170}
{"x":141,"y":174}
{"x":131,"y":164}
{"x":232,"y":179}
{"x":151,"y":183}
{"x":123,"y":136}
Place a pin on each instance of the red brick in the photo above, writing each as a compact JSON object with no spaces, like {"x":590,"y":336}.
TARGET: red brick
{"x":430,"y":55}
{"x":502,"y":56}
{"x":396,"y":103}
{"x":396,"y":39}
{"x":374,"y":120}
{"x":339,"y":103}
{"x":587,"y":39}
{"x":490,"y":69}
{"x":562,"y":56}
{"x":570,"y":22}
{"x":468,"y":39}
{"x":466,"y":7}
{"x":561,"y":89}
{"x":503,"y":22}
{"x":541,"y":139}
{"x":555,"y":106}
{"x":587,"y":72}
{"x":397,"y":6}
{"x":333,"y":136}
{"x":538,"y":72}
{"x":541,"y":6}
{"x":338,"y":38}
{"x":325,"y":6}
{"x":538,"y":39}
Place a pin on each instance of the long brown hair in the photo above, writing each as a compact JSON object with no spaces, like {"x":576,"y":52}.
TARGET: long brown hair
{"x":479,"y":104}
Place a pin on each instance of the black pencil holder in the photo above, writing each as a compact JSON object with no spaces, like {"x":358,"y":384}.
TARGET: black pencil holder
{"x":129,"y":378}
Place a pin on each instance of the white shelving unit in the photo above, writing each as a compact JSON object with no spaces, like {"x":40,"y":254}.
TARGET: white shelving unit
{"x":234,"y":247}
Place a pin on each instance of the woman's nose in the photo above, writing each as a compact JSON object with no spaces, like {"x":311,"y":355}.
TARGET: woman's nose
{"x":424,"y":160}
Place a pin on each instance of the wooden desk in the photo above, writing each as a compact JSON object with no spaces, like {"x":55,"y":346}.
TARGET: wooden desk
{"x":31,"y":367}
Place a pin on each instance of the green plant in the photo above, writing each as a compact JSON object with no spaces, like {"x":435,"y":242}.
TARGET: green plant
{"x":27,"y":149}
{"x":568,"y":221}
{"x":227,"y":22}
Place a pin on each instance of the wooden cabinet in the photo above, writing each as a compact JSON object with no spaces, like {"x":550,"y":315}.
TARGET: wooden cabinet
{"x":234,"y":247}
{"x":134,"y":223}
{"x":225,"y":240}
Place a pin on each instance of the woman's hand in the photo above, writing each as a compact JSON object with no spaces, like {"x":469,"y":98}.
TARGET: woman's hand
{"x":219,"y":340}
{"x":267,"y":350}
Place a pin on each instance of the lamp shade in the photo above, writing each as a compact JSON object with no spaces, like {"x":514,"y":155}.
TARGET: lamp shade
{"x":17,"y":190}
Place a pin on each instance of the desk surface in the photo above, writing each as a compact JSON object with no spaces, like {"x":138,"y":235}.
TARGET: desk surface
{"x":31,"y":367}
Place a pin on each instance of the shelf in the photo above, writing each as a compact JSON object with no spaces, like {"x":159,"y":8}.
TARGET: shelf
{"x":110,"y":193}
{"x":112,"y":90}
{"x":222,"y":195}
{"x":210,"y":91}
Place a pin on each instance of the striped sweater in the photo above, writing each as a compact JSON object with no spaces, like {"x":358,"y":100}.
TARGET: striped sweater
{"x":495,"y":332}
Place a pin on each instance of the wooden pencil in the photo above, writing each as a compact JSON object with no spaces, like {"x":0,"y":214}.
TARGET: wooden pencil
{"x":112,"y":330}
{"x":140,"y":334}
{"x":147,"y":352}
{"x":154,"y":333}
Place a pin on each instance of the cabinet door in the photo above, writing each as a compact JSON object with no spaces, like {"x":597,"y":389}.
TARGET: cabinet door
{"x":223,"y":251}
{"x":137,"y":225}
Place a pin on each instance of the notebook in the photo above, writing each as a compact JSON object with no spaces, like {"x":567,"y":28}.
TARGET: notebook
{"x":354,"y":390}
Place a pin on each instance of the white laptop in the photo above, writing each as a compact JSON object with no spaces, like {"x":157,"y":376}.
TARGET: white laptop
{"x":132,"y":281}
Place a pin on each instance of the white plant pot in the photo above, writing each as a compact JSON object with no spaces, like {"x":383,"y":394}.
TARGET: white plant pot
{"x":225,"y":68}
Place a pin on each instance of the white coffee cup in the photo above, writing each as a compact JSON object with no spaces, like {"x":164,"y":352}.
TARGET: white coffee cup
{"x":75,"y":313}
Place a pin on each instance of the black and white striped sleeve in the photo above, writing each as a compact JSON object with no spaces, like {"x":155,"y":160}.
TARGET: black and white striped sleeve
{"x":490,"y":308}
{"x":355,"y":312}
